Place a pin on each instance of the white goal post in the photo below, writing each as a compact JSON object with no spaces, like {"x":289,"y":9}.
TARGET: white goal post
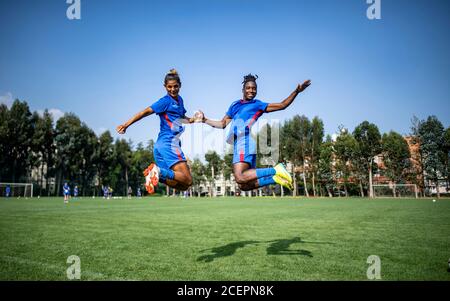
{"x":395,"y":190}
{"x":17,"y":189}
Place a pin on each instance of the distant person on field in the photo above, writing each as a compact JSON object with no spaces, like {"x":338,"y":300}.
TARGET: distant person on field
{"x":139,"y":194}
{"x":66,"y":192}
{"x":105,"y":192}
{"x":130,"y":192}
{"x":8,"y":191}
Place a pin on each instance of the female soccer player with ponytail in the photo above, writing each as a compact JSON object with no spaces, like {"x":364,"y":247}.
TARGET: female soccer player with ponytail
{"x":170,"y":165}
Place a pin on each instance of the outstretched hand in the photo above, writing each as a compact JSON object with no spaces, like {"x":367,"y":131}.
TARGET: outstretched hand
{"x":302,"y":87}
{"x":121,"y":129}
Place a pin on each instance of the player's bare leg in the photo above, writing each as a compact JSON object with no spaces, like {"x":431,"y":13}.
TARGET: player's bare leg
{"x":247,"y":178}
{"x":182,"y":179}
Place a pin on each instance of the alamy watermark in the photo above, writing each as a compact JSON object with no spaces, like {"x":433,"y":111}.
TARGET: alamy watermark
{"x":74,"y":270}
{"x":374,"y":270}
{"x":374,"y":9}
{"x":241,"y":136}
{"x":73,"y":12}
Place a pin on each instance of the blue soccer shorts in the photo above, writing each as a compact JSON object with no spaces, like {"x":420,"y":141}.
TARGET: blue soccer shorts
{"x":244,"y":150}
{"x":168,"y":153}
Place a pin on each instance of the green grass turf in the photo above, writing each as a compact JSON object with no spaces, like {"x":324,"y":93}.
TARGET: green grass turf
{"x":224,"y":238}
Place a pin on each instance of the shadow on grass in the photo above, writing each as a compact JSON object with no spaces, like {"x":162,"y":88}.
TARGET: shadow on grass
{"x":276,"y":247}
{"x":226,"y":250}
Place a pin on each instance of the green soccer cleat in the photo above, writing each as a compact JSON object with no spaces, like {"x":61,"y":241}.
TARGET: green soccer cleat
{"x":282,"y":172}
{"x":283,"y":182}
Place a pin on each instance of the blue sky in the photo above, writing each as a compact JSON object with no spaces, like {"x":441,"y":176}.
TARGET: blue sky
{"x":110,"y":64}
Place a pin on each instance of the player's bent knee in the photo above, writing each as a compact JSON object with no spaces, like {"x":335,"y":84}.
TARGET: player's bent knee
{"x":189,"y":181}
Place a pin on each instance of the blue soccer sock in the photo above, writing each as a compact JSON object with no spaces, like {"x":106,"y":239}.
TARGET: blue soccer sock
{"x":166,"y":174}
{"x":265,"y":172}
{"x":266,"y":181}
{"x":162,"y":179}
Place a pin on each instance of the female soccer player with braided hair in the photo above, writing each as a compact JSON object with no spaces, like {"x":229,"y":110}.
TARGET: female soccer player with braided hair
{"x":170,"y":165}
{"x":244,"y":113}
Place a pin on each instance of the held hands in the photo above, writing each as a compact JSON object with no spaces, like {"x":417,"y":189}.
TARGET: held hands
{"x":302,"y":87}
{"x":199,"y":116}
{"x":121,"y":129}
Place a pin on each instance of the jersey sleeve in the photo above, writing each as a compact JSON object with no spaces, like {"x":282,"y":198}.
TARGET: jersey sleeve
{"x":160,"y":106}
{"x":263,"y":105}
{"x":230,"y":111}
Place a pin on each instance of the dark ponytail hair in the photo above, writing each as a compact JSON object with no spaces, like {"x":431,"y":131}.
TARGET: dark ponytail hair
{"x":249,"y":78}
{"x":172,"y":75}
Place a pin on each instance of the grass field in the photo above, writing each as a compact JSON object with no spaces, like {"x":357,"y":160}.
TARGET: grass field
{"x":224,"y":238}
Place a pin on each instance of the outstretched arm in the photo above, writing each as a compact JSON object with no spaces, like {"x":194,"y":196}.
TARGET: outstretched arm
{"x":121,"y":129}
{"x":273,"y":107}
{"x":218,"y":124}
{"x":187,"y":120}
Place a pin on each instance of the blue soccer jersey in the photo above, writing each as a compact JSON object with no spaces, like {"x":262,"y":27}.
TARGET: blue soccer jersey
{"x":66,"y":189}
{"x":167,"y":149}
{"x":170,"y":112}
{"x":244,"y":115}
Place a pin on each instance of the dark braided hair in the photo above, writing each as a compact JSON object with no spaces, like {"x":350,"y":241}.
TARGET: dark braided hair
{"x":250,"y":78}
{"x":172,"y":75}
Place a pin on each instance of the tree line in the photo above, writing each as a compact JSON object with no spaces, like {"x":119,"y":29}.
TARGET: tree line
{"x":68,"y":150}
{"x":348,"y":162}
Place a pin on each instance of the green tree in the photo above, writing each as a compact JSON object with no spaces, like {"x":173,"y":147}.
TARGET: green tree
{"x":345,"y":148}
{"x":446,"y":151}
{"x":105,"y":158}
{"x":122,"y":157}
{"x":4,"y":144}
{"x":18,"y":142}
{"x":295,"y":137}
{"x":86,"y":165}
{"x":227,"y":167}
{"x":73,"y":150}
{"x":396,"y":157}
{"x":325,"y":165}
{"x":359,"y":169}
{"x":315,"y":143}
{"x":43,"y":141}
{"x":431,"y":134}
{"x":198,"y":175}
{"x":369,"y":143}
